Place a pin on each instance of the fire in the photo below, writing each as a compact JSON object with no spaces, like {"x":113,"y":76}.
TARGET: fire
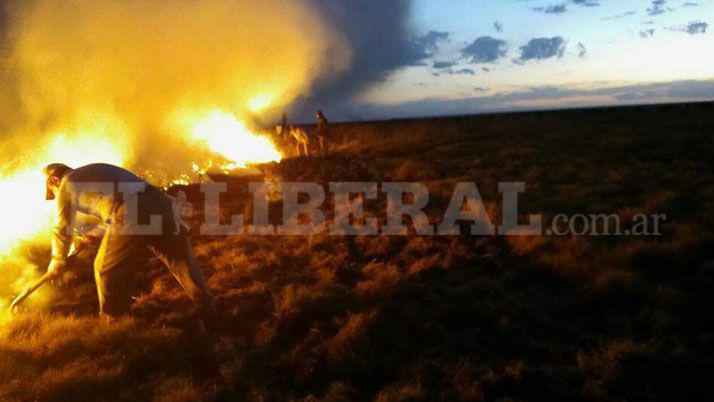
{"x":169,"y":90}
{"x":223,"y":134}
{"x":23,"y":211}
{"x":260,"y":102}
{"x":26,"y":216}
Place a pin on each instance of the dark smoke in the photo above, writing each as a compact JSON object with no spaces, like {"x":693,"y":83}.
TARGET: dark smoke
{"x":381,"y":39}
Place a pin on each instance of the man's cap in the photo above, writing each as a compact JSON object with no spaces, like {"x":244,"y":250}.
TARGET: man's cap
{"x":54,"y":170}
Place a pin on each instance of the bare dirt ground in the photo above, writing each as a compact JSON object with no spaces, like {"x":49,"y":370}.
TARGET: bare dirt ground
{"x":325,"y":318}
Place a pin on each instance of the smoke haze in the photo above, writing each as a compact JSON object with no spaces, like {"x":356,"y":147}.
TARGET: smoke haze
{"x":123,"y":73}
{"x":379,"y":34}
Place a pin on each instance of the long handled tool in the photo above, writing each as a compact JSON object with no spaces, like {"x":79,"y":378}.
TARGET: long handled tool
{"x":76,"y":249}
{"x":30,"y":290}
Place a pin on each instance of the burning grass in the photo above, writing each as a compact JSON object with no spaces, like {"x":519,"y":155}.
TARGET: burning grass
{"x":422,"y":318}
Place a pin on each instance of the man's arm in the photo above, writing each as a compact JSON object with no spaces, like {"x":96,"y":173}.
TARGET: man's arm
{"x":61,"y":235}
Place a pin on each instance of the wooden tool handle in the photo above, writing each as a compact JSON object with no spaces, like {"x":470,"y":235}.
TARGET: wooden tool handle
{"x":30,"y":290}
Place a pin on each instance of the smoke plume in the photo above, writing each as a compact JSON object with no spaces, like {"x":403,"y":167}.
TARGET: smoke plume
{"x":125,"y":72}
{"x":122,"y":75}
{"x":381,"y":40}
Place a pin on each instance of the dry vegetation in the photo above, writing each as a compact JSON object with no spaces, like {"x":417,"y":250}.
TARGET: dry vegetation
{"x":426,"y":318}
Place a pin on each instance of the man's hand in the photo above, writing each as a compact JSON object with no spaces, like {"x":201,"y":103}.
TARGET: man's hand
{"x":55,"y":268}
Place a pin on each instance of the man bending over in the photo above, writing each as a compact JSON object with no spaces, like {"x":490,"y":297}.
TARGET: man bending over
{"x":136,"y":217}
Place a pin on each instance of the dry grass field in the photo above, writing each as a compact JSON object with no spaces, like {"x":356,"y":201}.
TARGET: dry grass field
{"x":460,"y":318}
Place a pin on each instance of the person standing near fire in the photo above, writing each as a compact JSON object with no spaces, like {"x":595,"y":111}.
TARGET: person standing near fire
{"x":120,"y":200}
{"x":283,"y":128}
{"x":323,"y":132}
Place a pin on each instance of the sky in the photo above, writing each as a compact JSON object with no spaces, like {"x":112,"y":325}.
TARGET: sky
{"x":500,"y":55}
{"x":410,"y":58}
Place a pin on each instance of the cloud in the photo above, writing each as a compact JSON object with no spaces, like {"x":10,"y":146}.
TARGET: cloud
{"x":447,"y":68}
{"x":619,"y":16}
{"x":429,"y":43}
{"x":586,"y":3}
{"x":690,"y":4}
{"x":689,"y":90}
{"x":657,"y":7}
{"x":450,"y":71}
{"x":582,"y":50}
{"x":548,"y":97}
{"x":563,"y":7}
{"x":485,"y":50}
{"x":480,"y":89}
{"x":553,"y":9}
{"x":541,"y":49}
{"x":677,"y":91}
{"x":498,"y":26}
{"x":696,"y":27}
{"x":443,"y":64}
{"x":647,"y":33}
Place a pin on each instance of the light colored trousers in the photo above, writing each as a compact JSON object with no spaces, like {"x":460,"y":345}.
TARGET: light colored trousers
{"x":122,"y":254}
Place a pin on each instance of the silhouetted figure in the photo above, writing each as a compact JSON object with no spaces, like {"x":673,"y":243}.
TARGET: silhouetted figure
{"x":120,"y":256}
{"x":302,"y":140}
{"x":323,"y":132}
{"x":289,"y":132}
{"x":283,"y":127}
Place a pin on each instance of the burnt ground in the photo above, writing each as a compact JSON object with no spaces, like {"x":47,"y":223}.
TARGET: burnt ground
{"x":452,"y":318}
